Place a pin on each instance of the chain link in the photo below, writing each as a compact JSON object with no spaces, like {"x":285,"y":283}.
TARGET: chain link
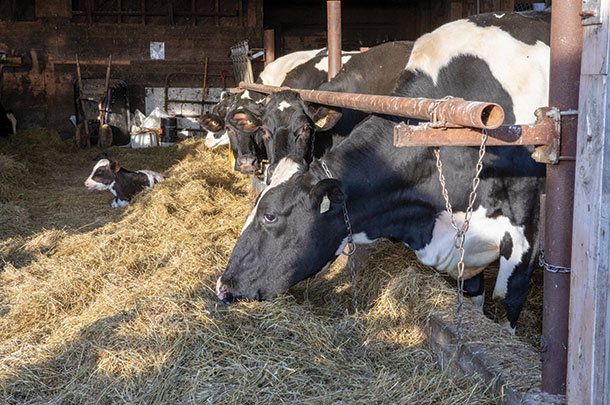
{"x":551,"y":268}
{"x":350,"y":242}
{"x":460,"y":235}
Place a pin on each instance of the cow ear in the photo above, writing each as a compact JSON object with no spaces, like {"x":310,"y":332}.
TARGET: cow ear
{"x":115,"y":166}
{"x":324,"y":118}
{"x":326,"y":195}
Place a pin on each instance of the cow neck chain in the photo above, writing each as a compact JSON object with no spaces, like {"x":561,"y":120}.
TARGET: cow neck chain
{"x":350,"y":242}
{"x":461,"y":231}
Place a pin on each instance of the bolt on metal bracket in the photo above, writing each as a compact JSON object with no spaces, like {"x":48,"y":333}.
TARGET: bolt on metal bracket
{"x":591,"y":12}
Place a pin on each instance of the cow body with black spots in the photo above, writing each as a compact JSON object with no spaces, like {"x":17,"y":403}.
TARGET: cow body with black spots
{"x":122,"y":183}
{"x":297,"y":226}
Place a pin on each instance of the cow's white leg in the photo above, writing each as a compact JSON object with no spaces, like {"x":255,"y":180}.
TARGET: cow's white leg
{"x":478,"y":302}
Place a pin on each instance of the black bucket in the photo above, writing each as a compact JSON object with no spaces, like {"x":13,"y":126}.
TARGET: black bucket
{"x":169,"y":130}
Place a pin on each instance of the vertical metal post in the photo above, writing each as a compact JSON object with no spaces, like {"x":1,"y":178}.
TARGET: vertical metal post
{"x":566,"y":49}
{"x":333,"y":9}
{"x":269,"y":45}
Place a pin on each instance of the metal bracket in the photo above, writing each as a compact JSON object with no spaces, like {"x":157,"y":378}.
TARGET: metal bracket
{"x":591,"y":12}
{"x":549,"y":153}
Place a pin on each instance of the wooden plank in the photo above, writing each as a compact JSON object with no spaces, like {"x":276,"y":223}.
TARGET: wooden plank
{"x":589,"y":335}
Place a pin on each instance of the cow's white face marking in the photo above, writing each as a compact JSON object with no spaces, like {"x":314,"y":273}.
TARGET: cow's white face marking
{"x":212,"y":142}
{"x":275,"y":72}
{"x":481,"y":246}
{"x":283,"y":105}
{"x":523,"y":70}
{"x":359,"y":238}
{"x":94,"y":185}
{"x":323,"y":64}
{"x":246,"y":94}
{"x":499,"y":15}
{"x":284,"y":171}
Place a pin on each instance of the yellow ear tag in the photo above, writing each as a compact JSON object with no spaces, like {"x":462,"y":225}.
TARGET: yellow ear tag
{"x":231,"y":157}
{"x":325,"y":205}
{"x":322,"y":121}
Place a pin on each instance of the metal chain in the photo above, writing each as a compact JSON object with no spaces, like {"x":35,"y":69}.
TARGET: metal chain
{"x":551,"y":268}
{"x":461,"y":231}
{"x":350,"y":242}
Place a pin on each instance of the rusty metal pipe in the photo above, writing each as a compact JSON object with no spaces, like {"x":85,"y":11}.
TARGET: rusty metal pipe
{"x":455,"y":111}
{"x":566,"y":50}
{"x":333,"y":10}
{"x":269,"y":45}
{"x":540,"y":133}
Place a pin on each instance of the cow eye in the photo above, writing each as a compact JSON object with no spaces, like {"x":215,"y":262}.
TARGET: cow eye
{"x":269,"y":218}
{"x":249,"y":122}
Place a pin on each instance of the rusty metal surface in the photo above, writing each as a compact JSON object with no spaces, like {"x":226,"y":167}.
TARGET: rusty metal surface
{"x":454,"y":111}
{"x":566,"y":49}
{"x":333,"y":10}
{"x":540,"y":133}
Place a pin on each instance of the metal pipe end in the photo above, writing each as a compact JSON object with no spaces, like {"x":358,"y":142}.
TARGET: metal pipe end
{"x":492,"y":116}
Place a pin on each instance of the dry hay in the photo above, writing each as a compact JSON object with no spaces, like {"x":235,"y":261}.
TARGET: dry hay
{"x":122,"y":308}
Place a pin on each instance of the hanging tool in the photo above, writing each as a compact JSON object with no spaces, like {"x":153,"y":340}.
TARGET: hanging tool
{"x":79,"y":138}
{"x":104,"y":139}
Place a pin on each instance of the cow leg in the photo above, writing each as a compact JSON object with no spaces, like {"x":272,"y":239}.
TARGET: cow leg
{"x":474,"y":288}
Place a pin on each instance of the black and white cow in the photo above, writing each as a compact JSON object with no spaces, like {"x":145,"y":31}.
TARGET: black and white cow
{"x":8,"y":122}
{"x":123,"y":184}
{"x":297,"y":226}
{"x":301,"y":68}
{"x":293,"y":127}
{"x":236,"y":116}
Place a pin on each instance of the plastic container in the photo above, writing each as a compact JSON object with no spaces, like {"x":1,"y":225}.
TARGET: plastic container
{"x":169,"y":130}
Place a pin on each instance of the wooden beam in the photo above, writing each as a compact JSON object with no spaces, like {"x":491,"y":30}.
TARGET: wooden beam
{"x":589,"y":334}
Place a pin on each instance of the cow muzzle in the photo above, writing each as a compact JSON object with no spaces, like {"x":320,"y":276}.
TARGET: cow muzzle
{"x":222,"y":292}
{"x":247,"y":164}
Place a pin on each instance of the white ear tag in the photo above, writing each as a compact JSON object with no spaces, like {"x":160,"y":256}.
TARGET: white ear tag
{"x":325,"y":205}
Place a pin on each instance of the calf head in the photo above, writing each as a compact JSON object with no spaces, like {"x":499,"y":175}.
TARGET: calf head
{"x":295,"y":230}
{"x":103,"y":175}
{"x":214,"y":123}
{"x":290,"y":124}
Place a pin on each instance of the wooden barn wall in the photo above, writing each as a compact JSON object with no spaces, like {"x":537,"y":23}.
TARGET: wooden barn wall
{"x":48,"y":35}
{"x":302,"y":25}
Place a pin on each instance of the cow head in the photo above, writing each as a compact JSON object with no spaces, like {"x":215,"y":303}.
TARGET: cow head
{"x":295,"y":230}
{"x":243,"y":123}
{"x":290,"y":124}
{"x":103,"y":175}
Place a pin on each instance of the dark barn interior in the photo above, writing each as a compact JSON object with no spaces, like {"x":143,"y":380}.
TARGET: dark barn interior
{"x":48,"y":35}
{"x":143,"y":317}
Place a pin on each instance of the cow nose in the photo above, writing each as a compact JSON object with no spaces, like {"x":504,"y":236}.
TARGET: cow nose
{"x":246,"y":164}
{"x":222,"y":292}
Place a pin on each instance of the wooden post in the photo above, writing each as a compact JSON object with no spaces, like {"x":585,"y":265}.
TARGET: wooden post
{"x":83,"y":106}
{"x":589,"y":334}
{"x":269,"y":44}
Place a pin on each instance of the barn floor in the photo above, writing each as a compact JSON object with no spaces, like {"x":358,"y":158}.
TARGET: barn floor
{"x":110,"y":305}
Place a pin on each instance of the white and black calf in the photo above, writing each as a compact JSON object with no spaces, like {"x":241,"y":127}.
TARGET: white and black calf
{"x":8,"y":122}
{"x":297,"y":226}
{"x":123,"y":184}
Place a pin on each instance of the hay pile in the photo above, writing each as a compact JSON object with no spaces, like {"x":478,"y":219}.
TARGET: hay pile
{"x":118,"y":305}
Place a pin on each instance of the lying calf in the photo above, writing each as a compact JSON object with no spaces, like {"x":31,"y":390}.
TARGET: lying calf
{"x":123,"y":184}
